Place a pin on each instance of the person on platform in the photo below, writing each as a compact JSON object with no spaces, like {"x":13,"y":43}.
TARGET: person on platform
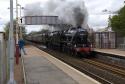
{"x":21,"y":46}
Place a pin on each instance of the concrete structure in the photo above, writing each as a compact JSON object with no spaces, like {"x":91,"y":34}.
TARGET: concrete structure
{"x":3,"y":59}
{"x":111,"y":51}
{"x":105,"y":40}
{"x":42,"y":68}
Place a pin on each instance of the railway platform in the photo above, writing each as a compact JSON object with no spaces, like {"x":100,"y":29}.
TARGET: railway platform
{"x":115,"y":52}
{"x":42,"y":68}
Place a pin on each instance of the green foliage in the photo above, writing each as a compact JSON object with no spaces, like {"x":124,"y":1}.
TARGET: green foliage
{"x":7,"y":26}
{"x":44,"y":31}
{"x":24,"y":31}
{"x":39,"y":32}
{"x":33,"y":33}
{"x":118,"y":22}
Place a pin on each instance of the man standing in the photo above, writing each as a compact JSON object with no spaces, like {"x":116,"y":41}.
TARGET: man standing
{"x":21,"y":45}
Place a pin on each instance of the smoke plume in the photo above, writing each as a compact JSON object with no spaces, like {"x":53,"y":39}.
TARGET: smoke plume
{"x":33,"y":9}
{"x":71,"y":12}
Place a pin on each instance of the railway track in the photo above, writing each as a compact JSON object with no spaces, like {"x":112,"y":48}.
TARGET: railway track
{"x":102,"y":72}
{"x":110,"y":64}
{"x":106,"y":67}
{"x":78,"y":65}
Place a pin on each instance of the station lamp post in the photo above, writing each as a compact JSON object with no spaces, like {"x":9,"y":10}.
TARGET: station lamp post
{"x":18,"y":31}
{"x":20,"y":22}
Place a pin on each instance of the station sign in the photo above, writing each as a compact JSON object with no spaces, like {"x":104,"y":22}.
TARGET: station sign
{"x":41,"y":20}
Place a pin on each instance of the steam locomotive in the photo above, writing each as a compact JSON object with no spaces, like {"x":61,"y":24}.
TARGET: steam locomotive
{"x":73,"y":41}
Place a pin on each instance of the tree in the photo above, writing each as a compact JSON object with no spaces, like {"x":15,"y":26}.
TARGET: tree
{"x":44,"y":31}
{"x":39,"y":32}
{"x":118,"y":22}
{"x":7,"y":26}
{"x":24,"y":31}
{"x":33,"y":33}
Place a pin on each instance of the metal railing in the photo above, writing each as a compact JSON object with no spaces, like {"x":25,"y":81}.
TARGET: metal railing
{"x":121,"y":46}
{"x":121,"y":43}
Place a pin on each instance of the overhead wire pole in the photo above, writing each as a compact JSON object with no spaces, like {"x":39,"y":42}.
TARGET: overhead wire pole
{"x":11,"y":47}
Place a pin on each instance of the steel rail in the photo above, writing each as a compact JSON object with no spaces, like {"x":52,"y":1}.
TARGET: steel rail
{"x":105,"y":66}
{"x":81,"y":68}
{"x":114,"y":65}
{"x":101,"y":78}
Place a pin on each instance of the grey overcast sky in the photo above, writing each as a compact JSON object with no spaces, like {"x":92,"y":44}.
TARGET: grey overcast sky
{"x":96,"y":18}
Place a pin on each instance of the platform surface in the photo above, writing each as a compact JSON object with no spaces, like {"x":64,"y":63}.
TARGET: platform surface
{"x":42,"y":68}
{"x":111,"y":51}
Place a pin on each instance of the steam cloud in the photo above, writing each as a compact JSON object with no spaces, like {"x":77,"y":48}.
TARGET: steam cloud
{"x":34,"y":9}
{"x":71,"y":12}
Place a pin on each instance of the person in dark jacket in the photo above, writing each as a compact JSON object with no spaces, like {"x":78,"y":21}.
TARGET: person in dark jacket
{"x":21,"y":45}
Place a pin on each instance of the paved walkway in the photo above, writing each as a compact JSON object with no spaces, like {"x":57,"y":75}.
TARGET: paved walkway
{"x":40,"y":70}
{"x":112,"y":51}
{"x":18,"y":73}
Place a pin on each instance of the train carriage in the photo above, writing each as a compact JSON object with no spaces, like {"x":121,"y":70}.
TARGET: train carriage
{"x":74,"y":41}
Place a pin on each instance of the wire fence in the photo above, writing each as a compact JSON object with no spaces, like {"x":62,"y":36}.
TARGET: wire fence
{"x":121,"y":43}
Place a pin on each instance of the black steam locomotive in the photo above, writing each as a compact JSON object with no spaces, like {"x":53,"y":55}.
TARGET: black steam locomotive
{"x":73,"y":41}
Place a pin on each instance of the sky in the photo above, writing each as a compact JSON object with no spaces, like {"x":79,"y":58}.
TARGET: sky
{"x":97,"y":19}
